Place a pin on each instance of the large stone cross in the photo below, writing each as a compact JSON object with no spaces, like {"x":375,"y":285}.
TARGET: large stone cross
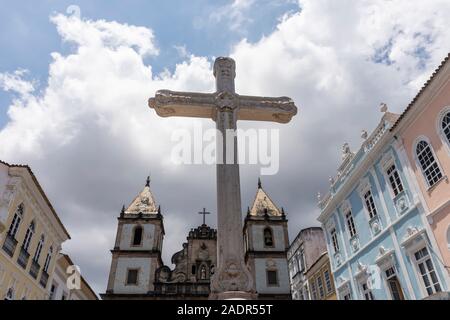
{"x":232,"y":278}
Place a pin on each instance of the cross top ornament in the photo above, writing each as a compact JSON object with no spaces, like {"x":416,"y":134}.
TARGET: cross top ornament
{"x":206,"y":105}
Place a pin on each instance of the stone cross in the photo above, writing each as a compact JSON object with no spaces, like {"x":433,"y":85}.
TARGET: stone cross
{"x":204,"y":213}
{"x":232,"y":278}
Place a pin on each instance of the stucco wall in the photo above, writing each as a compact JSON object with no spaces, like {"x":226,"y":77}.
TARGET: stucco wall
{"x":125,"y":263}
{"x":258,"y":238}
{"x":147,"y":237}
{"x":261,"y":277}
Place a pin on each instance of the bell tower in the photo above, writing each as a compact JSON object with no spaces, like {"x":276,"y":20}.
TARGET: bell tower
{"x":137,"y":250}
{"x":266,"y":242}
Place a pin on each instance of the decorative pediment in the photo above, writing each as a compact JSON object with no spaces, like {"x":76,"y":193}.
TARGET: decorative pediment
{"x":413,"y":236}
{"x":385,"y":256}
{"x":364,"y":185}
{"x":387,"y":160}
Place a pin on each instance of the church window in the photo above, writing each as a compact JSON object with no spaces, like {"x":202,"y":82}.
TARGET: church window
{"x":334,"y":240}
{"x":394,"y":180}
{"x":18,"y":215}
{"x":350,"y":223}
{"x":370,"y":204}
{"x":137,"y":236}
{"x":272,"y":278}
{"x":428,"y":163}
{"x":28,"y":236}
{"x":132,"y":277}
{"x":193,"y":269}
{"x":445,"y":126}
{"x":268,"y":237}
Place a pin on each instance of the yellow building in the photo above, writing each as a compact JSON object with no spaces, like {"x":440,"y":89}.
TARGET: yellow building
{"x":65,"y":287}
{"x":31,"y":235}
{"x":320,"y":279}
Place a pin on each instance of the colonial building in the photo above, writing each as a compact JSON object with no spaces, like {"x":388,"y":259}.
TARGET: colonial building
{"x":31,"y":235}
{"x":380,"y":243}
{"x":320,"y":279}
{"x":65,"y":274}
{"x":138,"y":272}
{"x":424,"y":138}
{"x":309,"y":270}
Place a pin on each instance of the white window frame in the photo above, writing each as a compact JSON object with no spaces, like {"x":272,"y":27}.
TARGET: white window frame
{"x":350,"y":223}
{"x":412,"y":244}
{"x":334,"y":240}
{"x":17,"y":220}
{"x":363,"y":188}
{"x":419,"y":165}
{"x":37,"y":253}
{"x":439,"y":130}
{"x":386,"y":279}
{"x":29,"y":236}
{"x":419,"y":274}
{"x":329,"y":283}
{"x":386,"y":163}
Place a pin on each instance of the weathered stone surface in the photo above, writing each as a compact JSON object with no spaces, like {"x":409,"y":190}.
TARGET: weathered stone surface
{"x":232,"y":278}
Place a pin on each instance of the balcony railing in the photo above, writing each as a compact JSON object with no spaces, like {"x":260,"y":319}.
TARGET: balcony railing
{"x":183,"y":288}
{"x":44,"y":279}
{"x":23,"y":258}
{"x":34,"y":270}
{"x":9,"y":246}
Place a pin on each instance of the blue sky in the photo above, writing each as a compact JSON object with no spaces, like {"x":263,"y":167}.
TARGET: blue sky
{"x":27,"y":37}
{"x":91,"y":139}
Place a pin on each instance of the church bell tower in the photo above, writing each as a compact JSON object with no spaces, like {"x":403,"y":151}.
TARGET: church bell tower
{"x":137,"y":250}
{"x":266,"y":242}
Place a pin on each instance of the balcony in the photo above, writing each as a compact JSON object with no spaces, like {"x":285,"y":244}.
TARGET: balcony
{"x":194,"y":289}
{"x":23,"y":258}
{"x":9,"y":246}
{"x":44,"y":279}
{"x":34,"y":270}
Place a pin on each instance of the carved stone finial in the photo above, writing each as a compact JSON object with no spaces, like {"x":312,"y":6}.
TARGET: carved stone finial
{"x":122,"y":212}
{"x":331,"y":179}
{"x":364,"y":134}
{"x":259,"y":183}
{"x":282,"y":212}
{"x":147,"y":183}
{"x":319,"y":197}
{"x":383,"y":107}
{"x":159,"y":209}
{"x":248,"y":211}
{"x":345,"y":150}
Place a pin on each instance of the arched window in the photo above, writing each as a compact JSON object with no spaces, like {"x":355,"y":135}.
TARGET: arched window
{"x":211,"y":269}
{"x":193,"y":269}
{"x":268,"y":237}
{"x":37,"y":254}
{"x":17,"y":219}
{"x":48,"y":259}
{"x":428,"y":163}
{"x":137,"y":236}
{"x":445,"y":126}
{"x":28,"y":236}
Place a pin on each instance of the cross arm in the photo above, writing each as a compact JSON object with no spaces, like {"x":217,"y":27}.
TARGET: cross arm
{"x":182,"y":104}
{"x":280,"y":109}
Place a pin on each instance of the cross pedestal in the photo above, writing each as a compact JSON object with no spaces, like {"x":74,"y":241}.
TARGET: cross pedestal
{"x":232,"y":279}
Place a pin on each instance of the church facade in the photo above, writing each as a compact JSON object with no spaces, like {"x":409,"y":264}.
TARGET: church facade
{"x":138,"y":272}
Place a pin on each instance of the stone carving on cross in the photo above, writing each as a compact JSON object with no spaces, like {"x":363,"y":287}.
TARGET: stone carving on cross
{"x":232,"y":277}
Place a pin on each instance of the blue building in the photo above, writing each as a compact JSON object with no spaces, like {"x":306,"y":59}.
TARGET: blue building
{"x":379,"y":241}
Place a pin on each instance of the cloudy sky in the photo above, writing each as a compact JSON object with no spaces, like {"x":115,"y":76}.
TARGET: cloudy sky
{"x":75,"y":77}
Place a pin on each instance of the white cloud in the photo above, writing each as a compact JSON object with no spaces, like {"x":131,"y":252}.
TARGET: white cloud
{"x":91,"y":138}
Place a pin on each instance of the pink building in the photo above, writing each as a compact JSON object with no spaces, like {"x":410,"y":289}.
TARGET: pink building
{"x":424,"y":132}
